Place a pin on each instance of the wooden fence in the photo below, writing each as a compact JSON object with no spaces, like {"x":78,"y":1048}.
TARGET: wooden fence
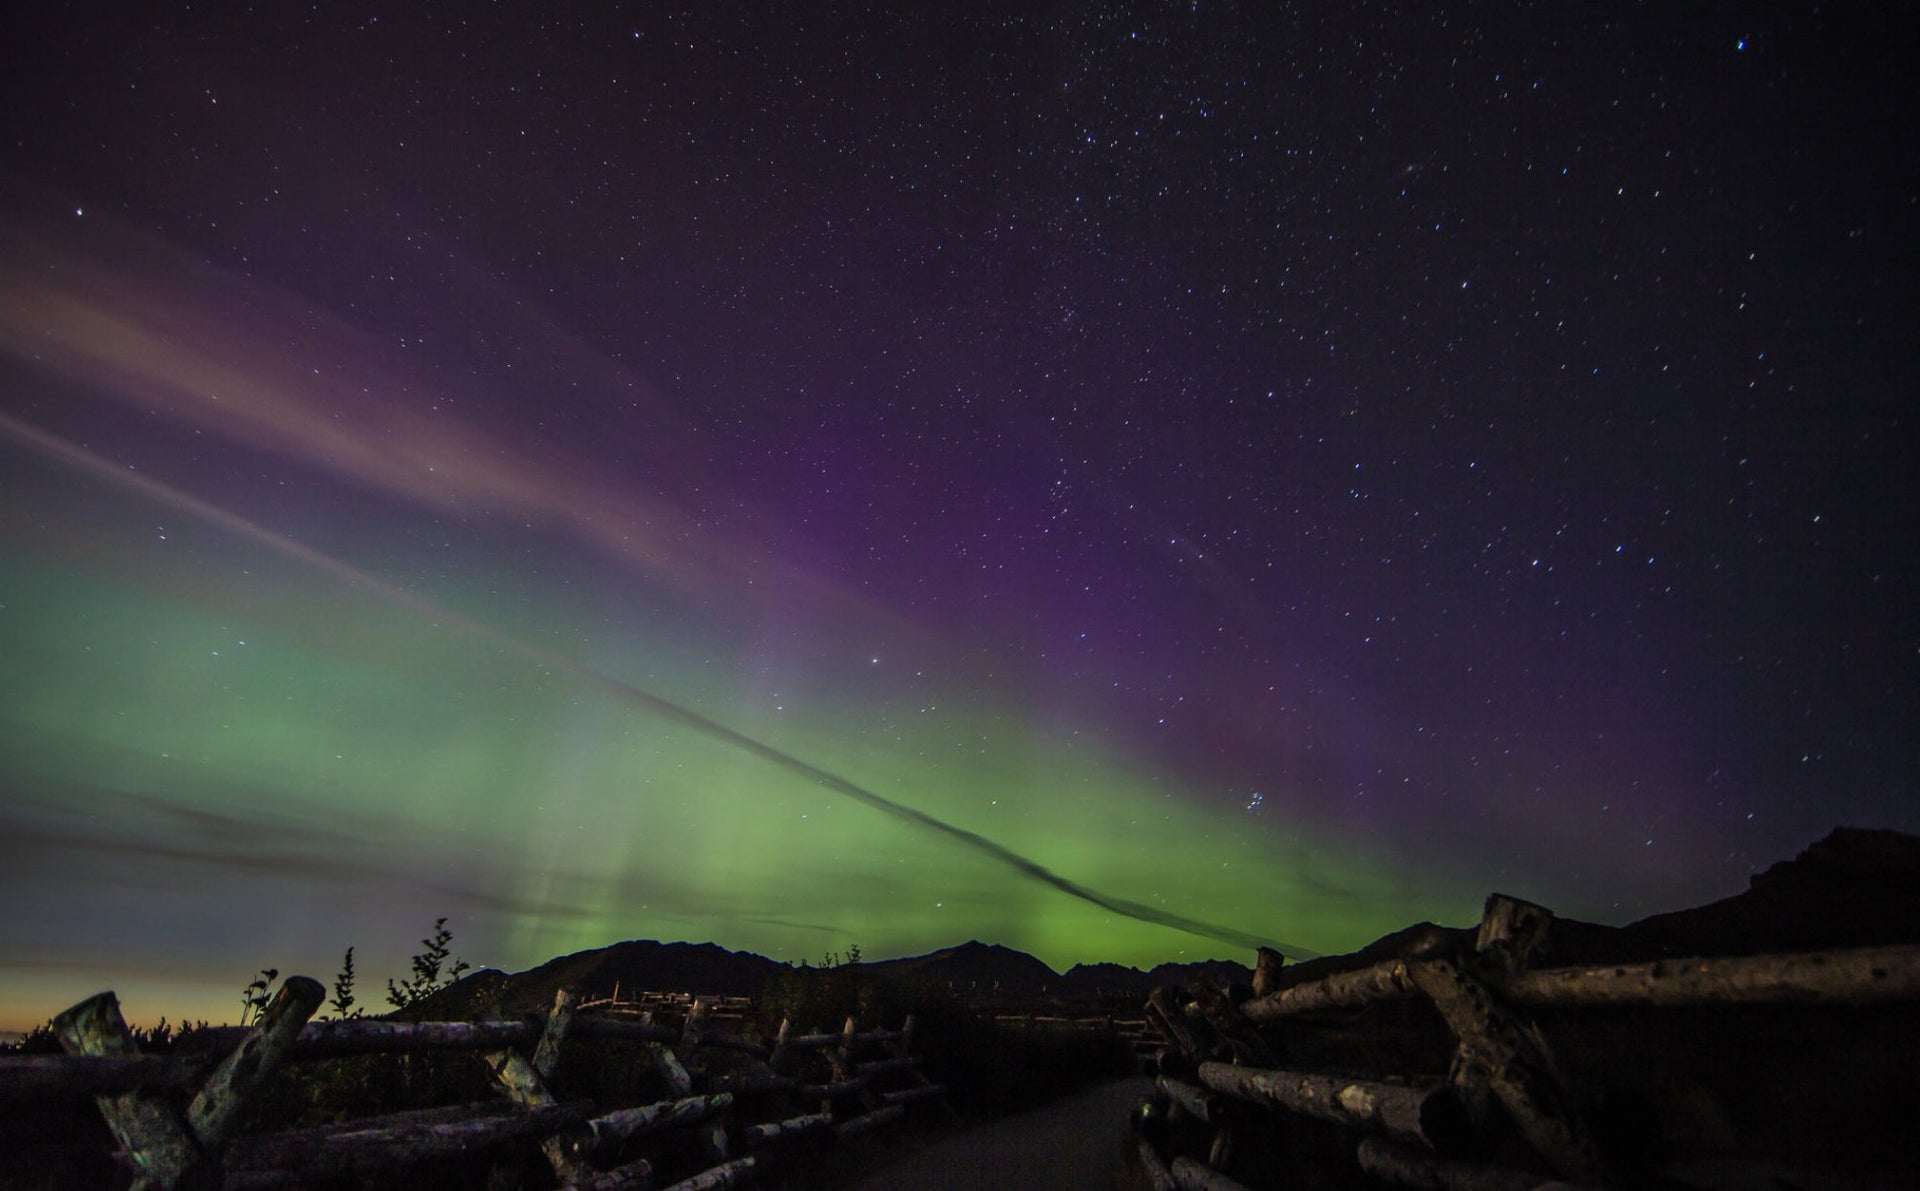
{"x":1466,"y":1068}
{"x":726,"y":1107}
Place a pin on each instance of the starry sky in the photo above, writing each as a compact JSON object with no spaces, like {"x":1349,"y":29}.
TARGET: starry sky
{"x":1121,"y":481}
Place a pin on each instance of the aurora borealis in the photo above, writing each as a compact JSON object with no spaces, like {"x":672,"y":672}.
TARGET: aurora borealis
{"x":1291,"y":472}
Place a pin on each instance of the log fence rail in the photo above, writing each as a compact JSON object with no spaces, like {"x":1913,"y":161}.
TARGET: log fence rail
{"x":1222,"y":1076}
{"x":731,"y":1104}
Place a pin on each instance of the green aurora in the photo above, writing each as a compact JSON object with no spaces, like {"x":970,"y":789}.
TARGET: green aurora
{"x":210,"y":740}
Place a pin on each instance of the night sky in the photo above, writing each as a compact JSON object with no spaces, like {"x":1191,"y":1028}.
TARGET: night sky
{"x":1121,"y":482}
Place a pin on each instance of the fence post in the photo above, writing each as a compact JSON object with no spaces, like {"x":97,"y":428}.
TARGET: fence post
{"x":546,"y":1053}
{"x":216,"y":1108}
{"x":148,"y":1132}
{"x":526,"y":1082}
{"x":777,"y":1060}
{"x":1511,"y":1059}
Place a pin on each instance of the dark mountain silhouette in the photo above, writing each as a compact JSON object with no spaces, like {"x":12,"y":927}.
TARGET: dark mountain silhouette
{"x":642,"y":964}
{"x":984,"y":973}
{"x":1105,"y":982}
{"x":975,"y":969}
{"x":1853,"y":888}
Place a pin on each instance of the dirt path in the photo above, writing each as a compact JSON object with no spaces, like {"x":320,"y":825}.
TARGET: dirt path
{"x":1074,"y":1144}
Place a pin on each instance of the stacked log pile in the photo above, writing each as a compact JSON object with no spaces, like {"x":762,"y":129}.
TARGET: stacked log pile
{"x":1460,"y":1062}
{"x":721,"y":1109}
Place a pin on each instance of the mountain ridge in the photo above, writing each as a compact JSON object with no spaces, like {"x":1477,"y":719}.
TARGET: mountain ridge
{"x":1854,"y":887}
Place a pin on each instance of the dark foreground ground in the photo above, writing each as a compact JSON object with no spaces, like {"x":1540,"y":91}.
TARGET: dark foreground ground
{"x":1074,"y":1144}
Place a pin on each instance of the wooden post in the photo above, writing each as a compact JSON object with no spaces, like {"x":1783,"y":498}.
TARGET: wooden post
{"x":526,"y":1082}
{"x":150,"y":1136}
{"x":777,"y":1061}
{"x":694,"y":1027}
{"x":1231,"y":1027}
{"x":1512,"y":1059}
{"x":546,"y":1053}
{"x":1173,"y":1021}
{"x":211,"y":1116}
{"x":843,"y":1060}
{"x":1512,"y":933}
{"x":668,"y":1066}
{"x":1266,"y":971}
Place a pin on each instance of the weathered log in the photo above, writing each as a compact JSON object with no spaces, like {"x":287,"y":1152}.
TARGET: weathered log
{"x":668,"y":1067}
{"x":749,"y":1085}
{"x":1232,"y":1027}
{"x":846,"y":1130}
{"x":727,"y":1174}
{"x":712,"y":1136}
{"x":831,"y":1091}
{"x":335,"y":1039}
{"x":25,"y":1078}
{"x":1158,"y":1176}
{"x":1194,"y":1101}
{"x":1192,"y":1175}
{"x":930,"y":1091}
{"x":882,"y":1066}
{"x":526,"y":1087}
{"x":1512,"y":933}
{"x":1172,"y":1019}
{"x":1854,"y":976}
{"x":837,"y":1039}
{"x":215,"y":1108}
{"x":636,"y":1175}
{"x":1384,"y":981}
{"x":604,"y":1133}
{"x":376,"y":1145}
{"x":1514,"y":1063}
{"x":1428,"y":1113}
{"x":151,"y":1138}
{"x":518,"y":1079}
{"x":1411,"y":1166}
{"x":787,"y":1130}
{"x":546,"y":1054}
{"x":1220,"y":1153}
